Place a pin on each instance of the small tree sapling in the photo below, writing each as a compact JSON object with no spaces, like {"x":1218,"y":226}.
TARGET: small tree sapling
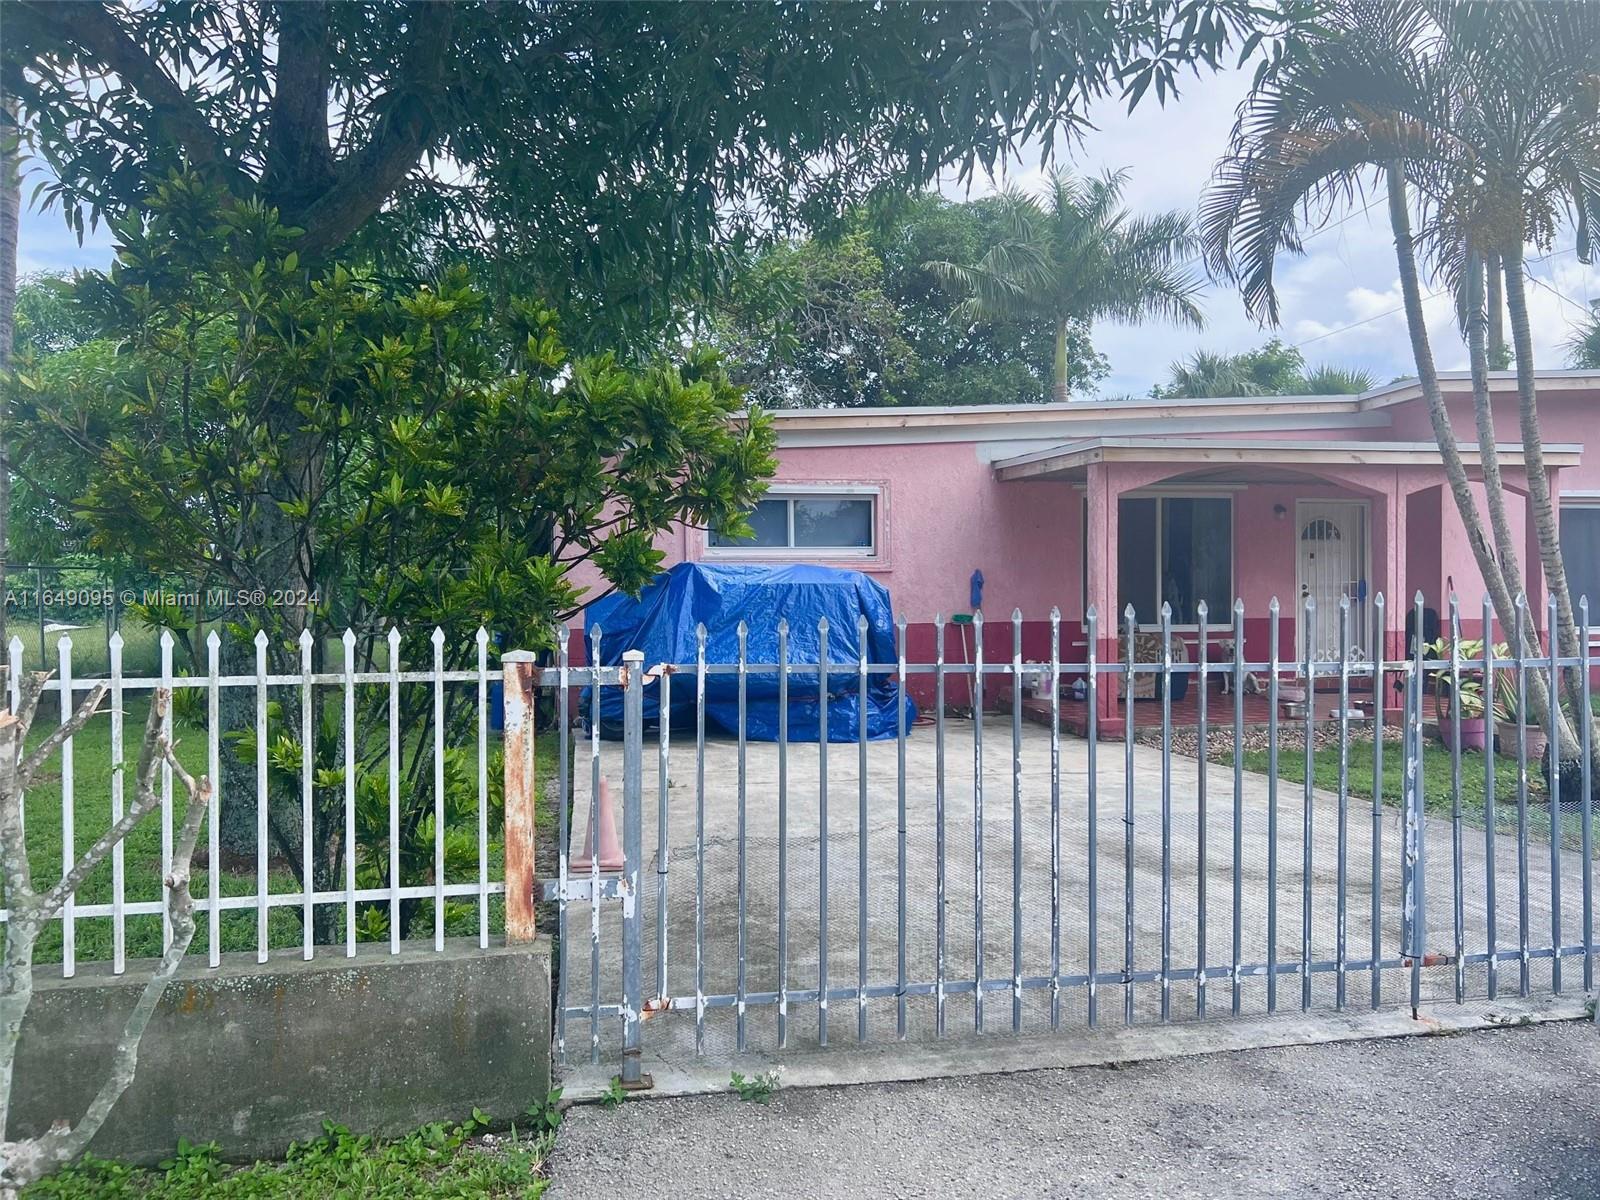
{"x":24,"y":1160}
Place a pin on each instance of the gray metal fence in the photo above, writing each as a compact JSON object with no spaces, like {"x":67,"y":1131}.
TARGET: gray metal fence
{"x":988,"y":868}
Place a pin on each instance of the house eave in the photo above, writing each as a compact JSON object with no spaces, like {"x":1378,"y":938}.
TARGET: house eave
{"x":1060,"y":421}
{"x":1068,"y":461}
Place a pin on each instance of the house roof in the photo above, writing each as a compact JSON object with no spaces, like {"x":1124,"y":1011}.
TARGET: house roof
{"x":1176,"y":417}
{"x":1070,"y":460}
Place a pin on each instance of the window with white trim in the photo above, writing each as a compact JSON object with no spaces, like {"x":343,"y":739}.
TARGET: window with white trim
{"x":824,"y":523}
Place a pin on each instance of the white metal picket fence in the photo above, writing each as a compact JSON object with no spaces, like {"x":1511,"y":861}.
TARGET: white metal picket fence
{"x":308,"y":691}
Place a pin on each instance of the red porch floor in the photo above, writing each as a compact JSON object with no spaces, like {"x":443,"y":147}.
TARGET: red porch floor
{"x":1147,"y":713}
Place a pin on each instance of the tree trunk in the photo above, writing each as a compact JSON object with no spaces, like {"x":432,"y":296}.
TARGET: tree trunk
{"x":1060,"y":392}
{"x":1556,"y":728}
{"x":1454,"y":469}
{"x":10,"y":218}
{"x":1499,"y":356}
{"x":1545,"y":518}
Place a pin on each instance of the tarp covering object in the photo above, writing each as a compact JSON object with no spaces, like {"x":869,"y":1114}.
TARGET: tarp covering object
{"x":662,"y":622}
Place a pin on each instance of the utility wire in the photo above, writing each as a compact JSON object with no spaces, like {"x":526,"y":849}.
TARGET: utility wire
{"x":1439,"y":292}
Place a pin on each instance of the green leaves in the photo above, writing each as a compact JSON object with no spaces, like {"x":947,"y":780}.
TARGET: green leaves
{"x":401,"y":455}
{"x":1072,"y":256}
{"x":624,"y":156}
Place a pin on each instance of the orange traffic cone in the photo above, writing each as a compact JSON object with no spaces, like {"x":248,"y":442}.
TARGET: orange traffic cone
{"x":611,"y":858}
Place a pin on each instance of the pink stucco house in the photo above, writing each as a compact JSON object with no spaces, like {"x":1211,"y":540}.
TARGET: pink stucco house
{"x":1143,"y":501}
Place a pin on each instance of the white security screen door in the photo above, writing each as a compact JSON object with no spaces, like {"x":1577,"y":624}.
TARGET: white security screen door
{"x":1331,"y":548}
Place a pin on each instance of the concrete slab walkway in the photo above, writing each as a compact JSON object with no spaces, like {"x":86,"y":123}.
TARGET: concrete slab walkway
{"x":1502,"y":1113}
{"x":1192,"y":925}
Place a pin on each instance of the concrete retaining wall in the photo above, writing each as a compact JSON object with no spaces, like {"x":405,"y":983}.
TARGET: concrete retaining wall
{"x":256,"y":1055}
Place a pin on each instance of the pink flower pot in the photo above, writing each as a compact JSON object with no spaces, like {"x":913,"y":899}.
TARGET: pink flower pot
{"x":1474,"y":733}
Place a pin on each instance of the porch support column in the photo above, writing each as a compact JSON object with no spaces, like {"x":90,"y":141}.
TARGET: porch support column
{"x":1101,"y":497}
{"x":1396,"y":592}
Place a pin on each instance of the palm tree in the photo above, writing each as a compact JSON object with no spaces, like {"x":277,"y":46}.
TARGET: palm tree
{"x":1328,"y":380}
{"x":1074,"y":256}
{"x":1205,"y":373}
{"x":1270,"y":370}
{"x":10,"y":217}
{"x":1583,"y":347}
{"x":1538,"y":157}
{"x":1436,"y":97}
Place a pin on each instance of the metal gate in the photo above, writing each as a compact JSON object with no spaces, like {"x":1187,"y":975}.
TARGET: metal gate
{"x":1015,"y":861}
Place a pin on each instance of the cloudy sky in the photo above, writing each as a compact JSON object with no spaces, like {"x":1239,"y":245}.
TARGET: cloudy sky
{"x":1340,"y":301}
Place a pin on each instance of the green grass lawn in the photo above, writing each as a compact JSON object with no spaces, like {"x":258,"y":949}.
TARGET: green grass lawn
{"x":141,"y":649}
{"x":1437,"y":782}
{"x":1436,"y":773}
{"x":438,"y":1162}
{"x":92,"y":774}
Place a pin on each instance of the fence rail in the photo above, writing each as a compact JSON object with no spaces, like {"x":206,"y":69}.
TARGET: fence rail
{"x":1026,"y":876}
{"x":304,"y":697}
{"x":981,"y":869}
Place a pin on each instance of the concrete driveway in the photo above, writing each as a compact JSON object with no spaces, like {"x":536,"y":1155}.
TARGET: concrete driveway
{"x":1504,"y":1113}
{"x":1007,"y":844}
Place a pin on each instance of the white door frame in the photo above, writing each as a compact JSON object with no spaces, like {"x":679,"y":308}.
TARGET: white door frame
{"x":1359,"y":632}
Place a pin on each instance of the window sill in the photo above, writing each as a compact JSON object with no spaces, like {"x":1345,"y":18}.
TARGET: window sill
{"x":843,"y":559}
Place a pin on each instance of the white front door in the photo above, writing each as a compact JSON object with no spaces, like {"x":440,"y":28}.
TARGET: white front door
{"x":1331,"y":549}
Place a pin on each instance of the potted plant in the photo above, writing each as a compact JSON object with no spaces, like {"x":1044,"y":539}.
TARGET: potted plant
{"x":1458,"y":700}
{"x":1508,"y":714}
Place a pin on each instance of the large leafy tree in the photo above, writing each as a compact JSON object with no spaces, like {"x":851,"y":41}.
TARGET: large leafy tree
{"x":811,"y":325}
{"x":1481,"y":121}
{"x":964,"y":361}
{"x":612,"y":151}
{"x":1074,"y":256}
{"x":451,"y":464}
{"x":860,"y":319}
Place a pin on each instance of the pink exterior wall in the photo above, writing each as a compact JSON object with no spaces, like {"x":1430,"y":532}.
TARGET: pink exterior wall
{"x":942,"y":516}
{"x":943,"y":513}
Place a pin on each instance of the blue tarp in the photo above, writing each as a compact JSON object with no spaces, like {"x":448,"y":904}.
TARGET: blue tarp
{"x":662,"y":621}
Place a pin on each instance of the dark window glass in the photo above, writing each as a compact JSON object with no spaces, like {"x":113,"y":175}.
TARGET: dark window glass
{"x":820,"y":523}
{"x":1196,"y":557}
{"x":833,"y":523}
{"x":1175,"y":550}
{"x":769,"y":519}
{"x":1580,"y":548}
{"x":1136,"y":561}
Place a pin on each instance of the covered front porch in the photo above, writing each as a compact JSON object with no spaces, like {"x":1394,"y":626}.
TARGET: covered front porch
{"x":1269,"y":538}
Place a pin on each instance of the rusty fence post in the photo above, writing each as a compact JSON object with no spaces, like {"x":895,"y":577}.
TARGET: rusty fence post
{"x":518,"y":674}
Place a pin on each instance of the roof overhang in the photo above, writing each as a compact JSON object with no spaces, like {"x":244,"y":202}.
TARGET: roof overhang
{"x":1241,"y":415}
{"x":1459,"y":383}
{"x":1071,"y":460}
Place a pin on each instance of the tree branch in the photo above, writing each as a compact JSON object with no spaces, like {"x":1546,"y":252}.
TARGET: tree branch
{"x":52,"y":743}
{"x":24,"y":1161}
{"x":28,"y":693}
{"x":152,"y":751}
{"x":299,"y":159}
{"x":90,"y":25}
{"x":29,"y":1160}
{"x":367,"y":178}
